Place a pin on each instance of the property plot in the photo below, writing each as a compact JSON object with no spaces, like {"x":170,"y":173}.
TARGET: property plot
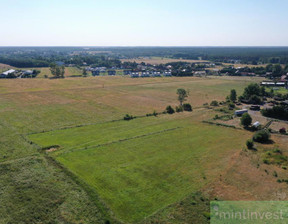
{"x":143,"y":165}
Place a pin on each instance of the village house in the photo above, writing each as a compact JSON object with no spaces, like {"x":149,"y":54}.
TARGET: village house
{"x":134,"y":74}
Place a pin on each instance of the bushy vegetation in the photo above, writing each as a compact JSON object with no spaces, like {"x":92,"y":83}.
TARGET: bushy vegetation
{"x":187,"y":107}
{"x":179,"y":109}
{"x":170,"y":110}
{"x":250,"y":144}
{"x":128,"y":117}
{"x":214,"y":103}
{"x":262,"y":136}
{"x":278,"y":112}
{"x":253,"y":94}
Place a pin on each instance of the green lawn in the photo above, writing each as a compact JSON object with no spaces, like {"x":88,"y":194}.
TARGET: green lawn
{"x":138,"y":176}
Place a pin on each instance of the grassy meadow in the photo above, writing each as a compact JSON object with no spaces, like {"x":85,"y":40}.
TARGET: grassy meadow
{"x":142,"y":165}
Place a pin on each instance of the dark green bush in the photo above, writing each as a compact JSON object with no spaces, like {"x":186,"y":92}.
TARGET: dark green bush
{"x":128,"y":117}
{"x":261,"y":136}
{"x":187,"y":107}
{"x":214,"y":103}
{"x":170,"y":110}
{"x":179,"y":109}
{"x":250,"y":144}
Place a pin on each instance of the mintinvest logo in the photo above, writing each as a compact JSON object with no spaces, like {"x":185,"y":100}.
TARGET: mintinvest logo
{"x":248,"y":212}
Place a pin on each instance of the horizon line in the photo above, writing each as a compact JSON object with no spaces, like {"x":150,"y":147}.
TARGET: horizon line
{"x":126,"y":46}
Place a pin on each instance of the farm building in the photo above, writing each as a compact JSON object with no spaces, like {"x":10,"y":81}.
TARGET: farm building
{"x":270,"y":83}
{"x":7,"y":73}
{"x":240,"y":112}
{"x":255,"y":107}
{"x":256,"y":124}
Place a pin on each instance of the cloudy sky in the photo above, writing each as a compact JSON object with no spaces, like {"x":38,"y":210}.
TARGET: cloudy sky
{"x":143,"y":23}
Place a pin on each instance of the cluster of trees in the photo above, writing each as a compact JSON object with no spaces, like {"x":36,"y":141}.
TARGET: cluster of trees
{"x":276,"y":70}
{"x":57,"y":71}
{"x":43,"y":57}
{"x":253,"y":94}
{"x":278,"y":112}
{"x":182,"y":97}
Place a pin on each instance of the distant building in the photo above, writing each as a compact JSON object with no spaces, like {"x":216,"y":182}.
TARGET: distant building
{"x":7,"y":73}
{"x":96,"y":73}
{"x":200,"y":73}
{"x":134,"y":74}
{"x":111,"y":72}
{"x":127,"y":72}
{"x":145,"y":74}
{"x":255,"y":107}
{"x":167,"y":74}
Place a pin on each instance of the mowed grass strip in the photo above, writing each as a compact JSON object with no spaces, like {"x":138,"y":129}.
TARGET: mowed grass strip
{"x":99,"y":134}
{"x":136,"y":178}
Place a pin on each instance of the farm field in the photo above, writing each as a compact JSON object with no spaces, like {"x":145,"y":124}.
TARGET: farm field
{"x":116,"y":161}
{"x":144,"y":164}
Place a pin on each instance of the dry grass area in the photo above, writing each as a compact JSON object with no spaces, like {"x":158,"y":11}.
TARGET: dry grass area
{"x":244,"y":65}
{"x":246,"y":170}
{"x":4,"y":67}
{"x":276,"y":125}
{"x":159,"y":60}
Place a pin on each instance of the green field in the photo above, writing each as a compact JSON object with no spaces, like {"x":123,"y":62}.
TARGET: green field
{"x":143,"y":165}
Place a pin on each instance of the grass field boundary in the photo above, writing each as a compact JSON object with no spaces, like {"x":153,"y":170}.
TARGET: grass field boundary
{"x":103,"y":208}
{"x":107,"y":213}
{"x":113,"y":142}
{"x":219,"y":124}
{"x":88,"y":124}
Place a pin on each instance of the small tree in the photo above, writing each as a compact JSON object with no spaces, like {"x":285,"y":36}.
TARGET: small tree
{"x":84,"y":72}
{"x":250,"y":144}
{"x":246,"y":120}
{"x":233,"y":95}
{"x":170,"y":110}
{"x":182,"y":95}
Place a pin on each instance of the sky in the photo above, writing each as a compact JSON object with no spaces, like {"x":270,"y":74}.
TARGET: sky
{"x":144,"y":23}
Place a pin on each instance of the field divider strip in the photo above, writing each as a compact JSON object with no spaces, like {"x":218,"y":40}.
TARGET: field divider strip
{"x":117,"y":141}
